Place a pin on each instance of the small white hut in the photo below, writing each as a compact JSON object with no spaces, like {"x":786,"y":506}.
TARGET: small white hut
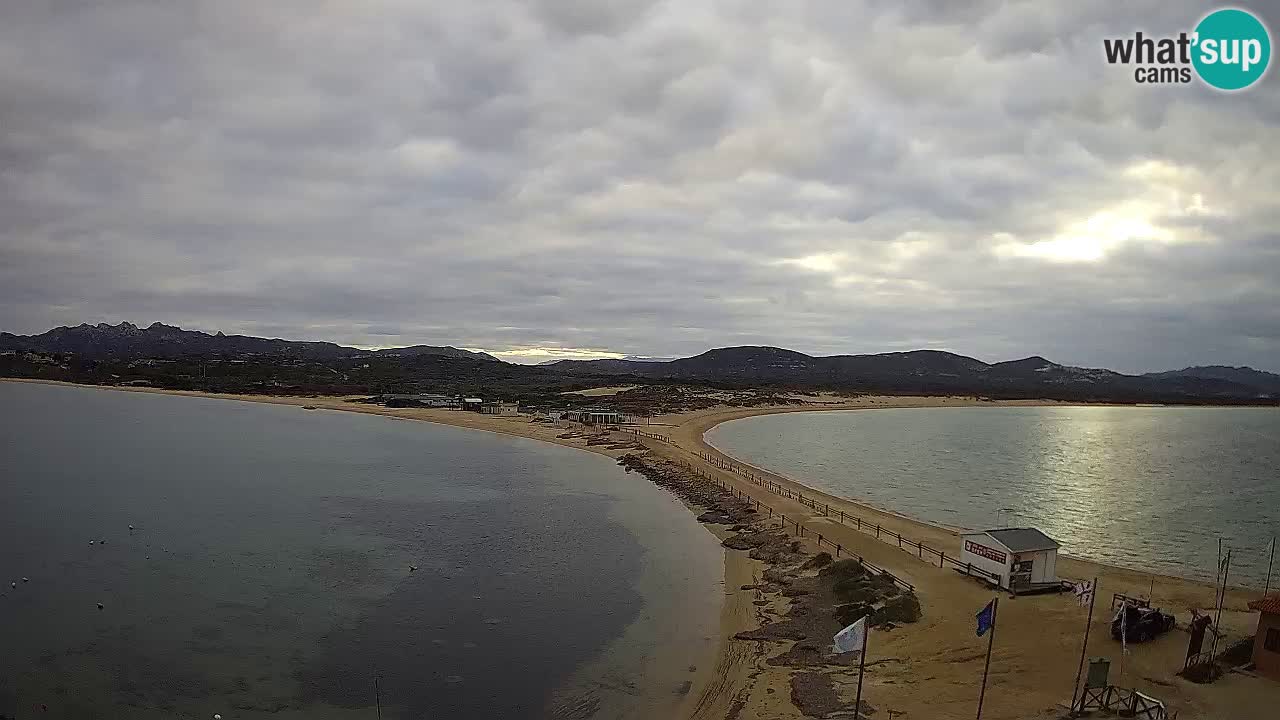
{"x":1024,"y":559}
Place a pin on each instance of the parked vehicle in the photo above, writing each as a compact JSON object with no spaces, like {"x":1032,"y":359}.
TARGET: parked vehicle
{"x":1140,"y":624}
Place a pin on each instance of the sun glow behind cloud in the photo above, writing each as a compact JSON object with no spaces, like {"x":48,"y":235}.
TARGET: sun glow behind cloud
{"x":820,"y":262}
{"x":1165,"y":192}
{"x":1089,"y":240}
{"x":536,"y":355}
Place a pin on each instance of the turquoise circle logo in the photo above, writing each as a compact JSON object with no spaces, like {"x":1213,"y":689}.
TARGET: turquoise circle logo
{"x":1232,"y":49}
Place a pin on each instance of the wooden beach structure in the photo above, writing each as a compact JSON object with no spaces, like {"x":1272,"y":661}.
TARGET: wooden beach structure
{"x":1266,"y":643}
{"x":1020,"y":560}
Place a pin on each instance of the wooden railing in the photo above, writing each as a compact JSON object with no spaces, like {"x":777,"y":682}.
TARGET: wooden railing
{"x":924,"y":552}
{"x":643,"y":434}
{"x":802,"y":531}
{"x":1124,"y":701}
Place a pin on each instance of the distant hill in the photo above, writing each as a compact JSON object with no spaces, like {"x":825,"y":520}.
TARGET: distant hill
{"x":172,"y":357}
{"x":127,"y":340}
{"x":1263,"y":381}
{"x":922,"y":372}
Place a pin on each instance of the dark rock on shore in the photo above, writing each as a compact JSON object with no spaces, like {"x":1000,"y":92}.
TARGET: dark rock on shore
{"x":847,"y":569}
{"x":901,"y":609}
{"x":820,"y":560}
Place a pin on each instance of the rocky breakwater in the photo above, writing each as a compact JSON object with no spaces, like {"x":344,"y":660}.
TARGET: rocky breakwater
{"x":802,"y":598}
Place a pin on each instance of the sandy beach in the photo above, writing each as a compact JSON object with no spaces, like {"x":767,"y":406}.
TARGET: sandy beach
{"x":930,"y":669}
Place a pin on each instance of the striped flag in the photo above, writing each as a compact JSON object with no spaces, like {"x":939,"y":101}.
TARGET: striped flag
{"x":1084,"y":592}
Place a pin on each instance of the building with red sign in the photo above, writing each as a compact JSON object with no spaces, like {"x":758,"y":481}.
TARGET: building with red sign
{"x":1023,"y":558}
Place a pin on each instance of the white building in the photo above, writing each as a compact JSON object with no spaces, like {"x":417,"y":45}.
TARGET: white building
{"x":434,"y":400}
{"x":596,"y":416}
{"x":1023,"y":558}
{"x":499,"y":407}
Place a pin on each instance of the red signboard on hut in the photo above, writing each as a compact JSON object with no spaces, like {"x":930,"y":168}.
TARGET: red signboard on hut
{"x":984,"y":551}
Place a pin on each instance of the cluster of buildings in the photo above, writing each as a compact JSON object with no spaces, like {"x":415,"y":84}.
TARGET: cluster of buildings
{"x":451,"y":402}
{"x":588,"y":416}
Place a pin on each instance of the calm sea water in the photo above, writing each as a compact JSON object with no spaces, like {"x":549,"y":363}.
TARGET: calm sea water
{"x":1144,"y":488}
{"x":268,"y":574}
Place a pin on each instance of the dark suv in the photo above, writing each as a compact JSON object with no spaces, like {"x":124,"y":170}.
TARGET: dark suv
{"x":1141,"y":624}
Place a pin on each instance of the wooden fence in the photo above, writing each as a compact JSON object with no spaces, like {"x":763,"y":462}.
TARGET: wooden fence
{"x":802,"y":531}
{"x":922,"y":551}
{"x":643,"y":434}
{"x":1124,"y":701}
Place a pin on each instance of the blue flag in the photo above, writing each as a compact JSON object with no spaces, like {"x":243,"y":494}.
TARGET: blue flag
{"x":986,"y":617}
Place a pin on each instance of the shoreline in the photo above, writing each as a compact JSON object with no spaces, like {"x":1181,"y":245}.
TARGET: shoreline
{"x":711,"y":685}
{"x":1035,"y":667}
{"x":1046,"y":661}
{"x":956,"y":530}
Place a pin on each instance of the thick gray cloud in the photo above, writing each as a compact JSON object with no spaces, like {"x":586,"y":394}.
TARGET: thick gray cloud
{"x":648,"y":178}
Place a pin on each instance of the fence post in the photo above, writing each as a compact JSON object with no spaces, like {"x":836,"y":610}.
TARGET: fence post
{"x":921,"y":549}
{"x":899,"y":542}
{"x":942,"y":557}
{"x":877,"y":531}
{"x":859,"y":519}
{"x":968,"y":569}
{"x":838,"y":549}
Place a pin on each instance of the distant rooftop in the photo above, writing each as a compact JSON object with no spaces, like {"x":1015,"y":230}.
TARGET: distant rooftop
{"x":1024,"y":539}
{"x":1268,"y":604}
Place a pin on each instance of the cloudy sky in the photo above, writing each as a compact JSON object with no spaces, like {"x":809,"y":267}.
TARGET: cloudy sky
{"x":633,"y":177}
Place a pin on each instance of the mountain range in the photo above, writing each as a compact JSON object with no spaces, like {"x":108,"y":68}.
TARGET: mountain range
{"x":158,"y":340}
{"x":935,"y":371}
{"x":916,"y":372}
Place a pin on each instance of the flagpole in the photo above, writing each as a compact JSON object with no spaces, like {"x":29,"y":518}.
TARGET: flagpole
{"x":995,"y":607}
{"x":1221,"y":598}
{"x":1217,"y":579}
{"x":1269,"y":562}
{"x":1124,"y":635}
{"x":1093,"y":595}
{"x":862,"y":663}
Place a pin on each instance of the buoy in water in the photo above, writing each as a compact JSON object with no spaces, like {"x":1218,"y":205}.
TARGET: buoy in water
{"x":131,"y":528}
{"x":216,"y":716}
{"x":26,"y":579}
{"x":90,"y":542}
{"x":412,"y":568}
{"x":100,"y":606}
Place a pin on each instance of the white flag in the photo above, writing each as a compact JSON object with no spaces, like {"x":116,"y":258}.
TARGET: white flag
{"x":851,"y":638}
